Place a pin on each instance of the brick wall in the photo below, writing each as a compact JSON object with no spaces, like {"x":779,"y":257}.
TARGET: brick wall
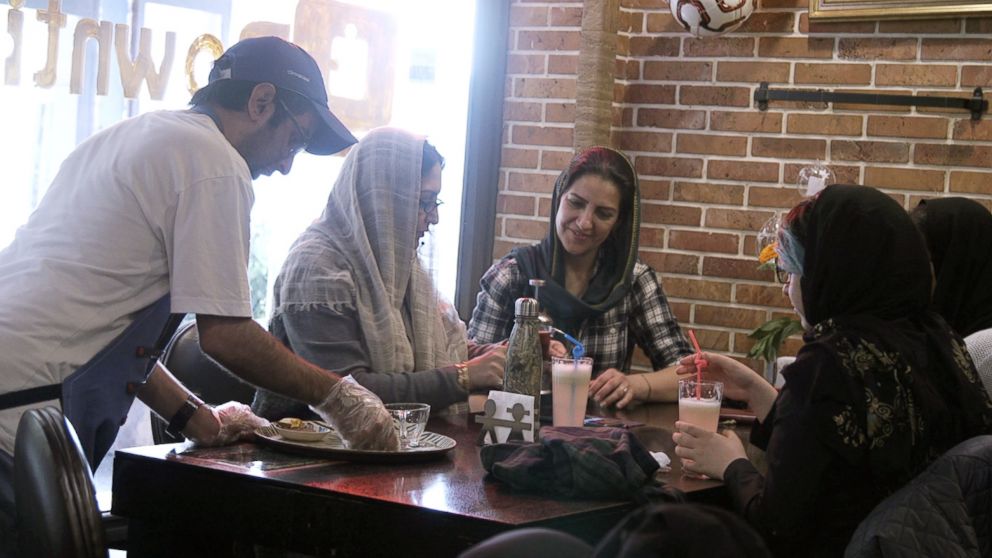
{"x":713,"y":167}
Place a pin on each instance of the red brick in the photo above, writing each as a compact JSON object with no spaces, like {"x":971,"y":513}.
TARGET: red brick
{"x":788,"y":148}
{"x":503,"y":247}
{"x":715,"y":95}
{"x":517,"y":205}
{"x":876,"y":49}
{"x":982,"y":25}
{"x":655,"y":190}
{"x":548,"y":40}
{"x":762,"y":295}
{"x":565,"y":64}
{"x":711,"y":145}
{"x":671,"y":118}
{"x":651,"y":142}
{"x":703,"y":242}
{"x":526,"y":63}
{"x":834,"y":28}
{"x":853,"y":74}
{"x":736,"y":268}
{"x":663,"y":23}
{"x":769,"y":22}
{"x":565,"y":17}
{"x":976,"y":76}
{"x":921,"y":26}
{"x":643,"y":93}
{"x":729,"y":317}
{"x":976,"y":130}
{"x":971,"y":182}
{"x":630,"y":22}
{"x":667,"y":262}
{"x":555,"y":160}
{"x":971,"y":48}
{"x":915,"y":74}
{"x":516,"y":110}
{"x":628,"y":69}
{"x":908,"y":127}
{"x":650,"y":237}
{"x":904,"y":179}
{"x":724,"y":194}
{"x":559,"y":112}
{"x":825,"y":124}
{"x":645,"y":4}
{"x":713,"y":47}
{"x":526,"y":228}
{"x":753,"y":72}
{"x":671,"y":214}
{"x":545,"y":88}
{"x":677,"y":70}
{"x":954,"y":155}
{"x":746,"y":121}
{"x":535,"y":135}
{"x":527,"y":16}
{"x":654,"y":46}
{"x":795,"y":47}
{"x":681,"y":287}
{"x":782,"y":198}
{"x":736,"y":219}
{"x":670,"y":166}
{"x":750,"y":171}
{"x":681,"y":310}
{"x":872,"y":108}
{"x":519,"y":158}
{"x":870,"y":151}
{"x":544,"y":207}
{"x":531,"y":182}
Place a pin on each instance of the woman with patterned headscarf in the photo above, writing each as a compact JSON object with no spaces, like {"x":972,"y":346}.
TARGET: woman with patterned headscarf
{"x":959,"y":235}
{"x":881,"y":388}
{"x":352,"y":295}
{"x":595,"y":288}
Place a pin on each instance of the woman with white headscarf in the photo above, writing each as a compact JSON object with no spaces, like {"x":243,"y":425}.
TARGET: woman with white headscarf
{"x":353,"y":297}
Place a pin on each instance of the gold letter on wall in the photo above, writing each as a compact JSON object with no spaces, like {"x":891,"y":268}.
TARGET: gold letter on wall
{"x":142,"y":68}
{"x":204,"y":42}
{"x":56,"y":20}
{"x":102,"y":32}
{"x":15,"y":28}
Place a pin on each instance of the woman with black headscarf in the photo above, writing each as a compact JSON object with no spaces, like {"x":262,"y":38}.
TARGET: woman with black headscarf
{"x":881,"y":388}
{"x":959,"y":235}
{"x":595,"y":287}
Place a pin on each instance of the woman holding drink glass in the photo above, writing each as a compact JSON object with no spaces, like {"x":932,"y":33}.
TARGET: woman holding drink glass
{"x":595,"y":288}
{"x":881,"y":388}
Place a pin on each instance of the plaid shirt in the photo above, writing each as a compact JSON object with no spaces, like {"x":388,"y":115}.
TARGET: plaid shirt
{"x":642,"y":317}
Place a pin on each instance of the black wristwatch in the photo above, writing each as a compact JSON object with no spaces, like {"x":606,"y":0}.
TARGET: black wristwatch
{"x":179,"y":420}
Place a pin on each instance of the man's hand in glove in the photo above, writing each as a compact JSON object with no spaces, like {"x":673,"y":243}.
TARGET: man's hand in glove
{"x":359,"y":417}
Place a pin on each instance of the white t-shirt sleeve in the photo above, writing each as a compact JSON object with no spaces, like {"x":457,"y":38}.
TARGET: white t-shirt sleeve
{"x":209,"y":252}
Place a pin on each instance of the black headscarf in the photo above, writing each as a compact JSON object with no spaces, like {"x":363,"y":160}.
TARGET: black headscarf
{"x":866,"y":291}
{"x":617,"y":255}
{"x":958,"y":232}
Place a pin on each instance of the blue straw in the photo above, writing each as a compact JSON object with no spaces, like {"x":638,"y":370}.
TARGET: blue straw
{"x":578,"y":351}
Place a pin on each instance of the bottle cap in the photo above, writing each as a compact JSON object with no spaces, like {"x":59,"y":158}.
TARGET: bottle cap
{"x":526,"y":308}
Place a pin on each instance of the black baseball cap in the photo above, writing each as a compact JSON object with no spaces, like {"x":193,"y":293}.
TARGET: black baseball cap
{"x":286,"y":66}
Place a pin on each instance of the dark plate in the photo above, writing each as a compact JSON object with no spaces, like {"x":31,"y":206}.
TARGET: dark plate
{"x":432,"y":446}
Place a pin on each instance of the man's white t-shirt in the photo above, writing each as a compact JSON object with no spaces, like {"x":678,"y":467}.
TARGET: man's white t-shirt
{"x":156,"y":204}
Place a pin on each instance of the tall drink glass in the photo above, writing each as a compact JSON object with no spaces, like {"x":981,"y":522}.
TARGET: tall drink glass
{"x":570,"y":390}
{"x":699,"y":405}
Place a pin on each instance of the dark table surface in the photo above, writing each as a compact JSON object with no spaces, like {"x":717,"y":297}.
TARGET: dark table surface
{"x":238,"y":499}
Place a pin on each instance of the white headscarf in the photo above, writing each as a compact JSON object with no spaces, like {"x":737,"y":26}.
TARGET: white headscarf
{"x":361,"y":255}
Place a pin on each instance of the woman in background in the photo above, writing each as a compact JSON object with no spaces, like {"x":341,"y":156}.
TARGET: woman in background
{"x":353,"y":297}
{"x":595,"y":287}
{"x":880,"y":389}
{"x":959,"y":235}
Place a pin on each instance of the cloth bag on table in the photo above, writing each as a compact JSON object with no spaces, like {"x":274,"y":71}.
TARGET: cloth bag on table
{"x":576,"y":462}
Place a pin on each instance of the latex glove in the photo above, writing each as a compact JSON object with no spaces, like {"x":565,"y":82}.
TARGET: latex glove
{"x":237,"y":423}
{"x":359,"y":417}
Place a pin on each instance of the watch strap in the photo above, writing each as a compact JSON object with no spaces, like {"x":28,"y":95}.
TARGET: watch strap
{"x":179,"y":420}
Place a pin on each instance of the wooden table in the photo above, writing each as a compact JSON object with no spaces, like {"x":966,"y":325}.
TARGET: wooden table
{"x":224,"y":501}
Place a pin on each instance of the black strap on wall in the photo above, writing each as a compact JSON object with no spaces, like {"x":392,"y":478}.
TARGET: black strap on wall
{"x":977,"y":104}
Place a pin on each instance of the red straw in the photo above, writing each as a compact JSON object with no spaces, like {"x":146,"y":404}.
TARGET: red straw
{"x":699,"y":363}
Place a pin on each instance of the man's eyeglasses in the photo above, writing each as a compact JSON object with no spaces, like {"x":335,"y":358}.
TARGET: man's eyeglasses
{"x":430,"y":206}
{"x":781,"y":275}
{"x":304,"y":138}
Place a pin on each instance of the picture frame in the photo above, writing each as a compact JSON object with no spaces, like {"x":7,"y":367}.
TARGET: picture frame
{"x":860,"y":10}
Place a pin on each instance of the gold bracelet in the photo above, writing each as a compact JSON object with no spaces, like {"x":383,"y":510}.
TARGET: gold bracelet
{"x":462,"y":369}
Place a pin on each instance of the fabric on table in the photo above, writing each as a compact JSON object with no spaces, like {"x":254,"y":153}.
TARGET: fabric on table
{"x":576,"y":462}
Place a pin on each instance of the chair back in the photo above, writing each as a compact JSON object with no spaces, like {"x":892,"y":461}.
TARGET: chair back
{"x":202,"y":375}
{"x":945,"y":511}
{"x":57,"y":514}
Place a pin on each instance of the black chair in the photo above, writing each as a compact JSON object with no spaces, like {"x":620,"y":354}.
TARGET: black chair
{"x":945,"y":511}
{"x":202,"y":375}
{"x":57,"y":514}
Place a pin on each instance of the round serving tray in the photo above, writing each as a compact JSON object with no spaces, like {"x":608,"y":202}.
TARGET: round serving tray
{"x":432,"y":446}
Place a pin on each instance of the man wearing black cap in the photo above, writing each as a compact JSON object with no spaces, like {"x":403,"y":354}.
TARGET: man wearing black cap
{"x":151,"y":217}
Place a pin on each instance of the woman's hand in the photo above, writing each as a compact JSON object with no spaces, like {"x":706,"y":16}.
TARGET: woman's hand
{"x":704,"y":452}
{"x":556,"y":349}
{"x":738,"y":380}
{"x":486,"y":371}
{"x":612,"y":387}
